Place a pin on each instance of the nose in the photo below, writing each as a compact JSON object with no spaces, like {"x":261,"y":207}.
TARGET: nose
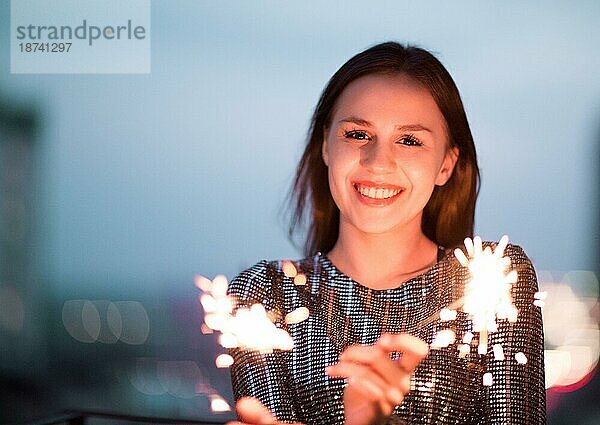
{"x":378,"y":158}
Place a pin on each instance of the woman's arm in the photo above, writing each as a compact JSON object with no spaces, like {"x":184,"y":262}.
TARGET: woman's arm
{"x":517,"y":395}
{"x":263,"y":376}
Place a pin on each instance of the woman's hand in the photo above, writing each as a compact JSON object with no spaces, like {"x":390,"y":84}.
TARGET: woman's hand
{"x":252,"y":412}
{"x":376,"y":383}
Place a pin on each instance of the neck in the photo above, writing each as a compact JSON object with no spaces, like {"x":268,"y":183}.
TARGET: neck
{"x":385,"y":260}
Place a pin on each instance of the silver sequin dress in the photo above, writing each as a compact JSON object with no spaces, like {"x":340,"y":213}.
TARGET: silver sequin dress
{"x":446,"y":389}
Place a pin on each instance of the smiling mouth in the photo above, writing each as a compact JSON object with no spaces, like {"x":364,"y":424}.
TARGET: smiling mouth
{"x":376,"y":192}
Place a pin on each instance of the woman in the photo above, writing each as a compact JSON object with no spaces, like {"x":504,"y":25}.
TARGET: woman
{"x":391,"y":178}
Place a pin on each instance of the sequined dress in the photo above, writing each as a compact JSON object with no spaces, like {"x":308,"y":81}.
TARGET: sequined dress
{"x":446,"y":388}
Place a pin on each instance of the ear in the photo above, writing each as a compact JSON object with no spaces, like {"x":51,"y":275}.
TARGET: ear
{"x":324,"y":152}
{"x":447,"y":166}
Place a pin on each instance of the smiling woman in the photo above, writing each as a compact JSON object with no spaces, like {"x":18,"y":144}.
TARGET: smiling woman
{"x":387,"y":187}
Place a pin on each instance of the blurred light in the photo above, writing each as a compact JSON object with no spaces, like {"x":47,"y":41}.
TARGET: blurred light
{"x":106,"y":334}
{"x":144,"y":377}
{"x":443,"y":338}
{"x":90,"y":317}
{"x":135,"y":322}
{"x":228,"y":340}
{"x":289,"y":269}
{"x":521,"y":358}
{"x":447,"y":314}
{"x":12,"y":310}
{"x":179,"y":378}
{"x":488,"y":379}
{"x":571,"y":329}
{"x":223,"y":360}
{"x":105,"y":321}
{"x":218,"y":404}
{"x":296,"y":316}
{"x":72,"y":318}
{"x":300,"y":279}
{"x":498,"y":352}
{"x":114,"y":320}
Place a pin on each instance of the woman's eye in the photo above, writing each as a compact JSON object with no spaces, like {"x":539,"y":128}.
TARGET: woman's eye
{"x":356,"y":135}
{"x":410,"y":140}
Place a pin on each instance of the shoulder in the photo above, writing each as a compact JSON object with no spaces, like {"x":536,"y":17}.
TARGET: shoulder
{"x":266,"y":280}
{"x":253,"y":281}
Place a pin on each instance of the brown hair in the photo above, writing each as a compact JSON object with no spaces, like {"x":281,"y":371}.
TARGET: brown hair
{"x":449,"y":215}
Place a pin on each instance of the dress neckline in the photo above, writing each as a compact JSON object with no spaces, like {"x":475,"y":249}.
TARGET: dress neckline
{"x":442,"y":256}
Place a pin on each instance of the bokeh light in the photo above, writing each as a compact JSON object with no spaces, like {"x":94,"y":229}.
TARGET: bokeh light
{"x":571,"y":329}
{"x":106,"y":321}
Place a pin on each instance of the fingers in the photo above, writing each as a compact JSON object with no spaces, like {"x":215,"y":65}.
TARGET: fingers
{"x":251,"y":411}
{"x":413,"y":349}
{"x":369,"y":382}
{"x":371,"y":369}
{"x":379,"y":360}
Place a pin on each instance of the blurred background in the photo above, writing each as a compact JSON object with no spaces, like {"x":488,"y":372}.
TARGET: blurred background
{"x":116,"y":190}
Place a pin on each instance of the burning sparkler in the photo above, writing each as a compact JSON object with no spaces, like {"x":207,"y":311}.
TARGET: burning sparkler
{"x":248,"y":328}
{"x":487,"y":299}
{"x":487,"y":294}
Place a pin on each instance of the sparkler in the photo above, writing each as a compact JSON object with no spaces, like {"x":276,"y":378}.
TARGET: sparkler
{"x":248,"y":328}
{"x":487,"y":299}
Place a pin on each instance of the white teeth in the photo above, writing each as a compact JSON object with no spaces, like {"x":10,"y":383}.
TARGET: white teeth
{"x":380,"y":193}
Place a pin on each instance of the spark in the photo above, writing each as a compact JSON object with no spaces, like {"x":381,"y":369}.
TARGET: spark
{"x":289,"y":269}
{"x":298,"y":315}
{"x":487,"y":294}
{"x":443,"y":338}
{"x":521,"y":358}
{"x":218,"y":404}
{"x":223,"y":360}
{"x":488,"y":379}
{"x":447,"y":314}
{"x":247,"y":328}
{"x":498,"y":352}
{"x":300,"y":279}
{"x":464,"y":350}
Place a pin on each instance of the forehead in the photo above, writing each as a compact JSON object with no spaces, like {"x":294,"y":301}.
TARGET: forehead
{"x":398,"y":99}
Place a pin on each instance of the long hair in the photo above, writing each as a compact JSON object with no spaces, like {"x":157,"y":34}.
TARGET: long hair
{"x":449,"y":215}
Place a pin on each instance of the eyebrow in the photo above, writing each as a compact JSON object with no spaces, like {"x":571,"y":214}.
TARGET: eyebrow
{"x":406,"y":127}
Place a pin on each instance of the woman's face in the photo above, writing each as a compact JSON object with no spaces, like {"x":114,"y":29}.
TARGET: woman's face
{"x":386,"y":149}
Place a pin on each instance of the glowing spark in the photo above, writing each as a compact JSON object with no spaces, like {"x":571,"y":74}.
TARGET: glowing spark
{"x":443,"y":338}
{"x":300,"y":279}
{"x":202,"y":283}
{"x":521,"y":358}
{"x":498,"y":352}
{"x":447,"y":314}
{"x":487,"y":294}
{"x":488,"y":379}
{"x":249,"y":328}
{"x":289,"y":269}
{"x":217,"y":404}
{"x":223,"y":360}
{"x":228,"y":340}
{"x":297,"y":316}
{"x":464,"y":350}
{"x":540,"y":298}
